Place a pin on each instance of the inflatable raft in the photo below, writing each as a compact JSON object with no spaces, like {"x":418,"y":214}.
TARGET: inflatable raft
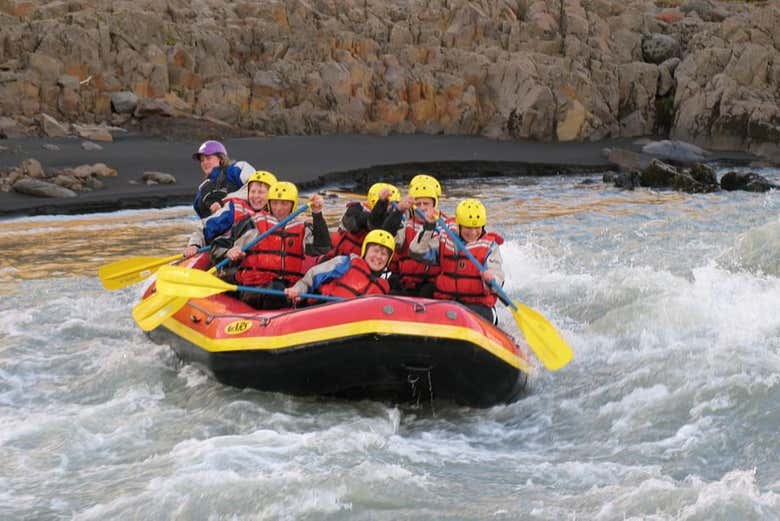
{"x":388,"y":348}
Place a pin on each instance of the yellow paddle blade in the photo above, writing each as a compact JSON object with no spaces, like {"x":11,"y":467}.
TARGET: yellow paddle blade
{"x":177,"y":281}
{"x":547,"y":344}
{"x":127,"y":272}
{"x":153,"y":311}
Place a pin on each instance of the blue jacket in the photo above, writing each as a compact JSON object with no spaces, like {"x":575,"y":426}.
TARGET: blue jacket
{"x":217,"y":185}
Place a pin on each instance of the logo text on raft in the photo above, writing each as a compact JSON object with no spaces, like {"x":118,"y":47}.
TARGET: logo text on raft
{"x":238,"y":327}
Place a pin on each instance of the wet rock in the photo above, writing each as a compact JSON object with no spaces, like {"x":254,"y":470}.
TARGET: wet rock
{"x":704,"y":174}
{"x":51,"y":147}
{"x":160,"y":178}
{"x":38,"y":188}
{"x":661,"y":175}
{"x":750,"y":182}
{"x":627,"y":180}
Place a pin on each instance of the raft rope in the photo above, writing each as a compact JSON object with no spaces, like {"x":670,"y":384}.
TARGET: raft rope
{"x":412,"y":379}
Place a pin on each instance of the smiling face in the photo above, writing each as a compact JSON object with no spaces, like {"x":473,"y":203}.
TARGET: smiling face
{"x":281,"y":209}
{"x":377,"y":256}
{"x":208,"y":163}
{"x":257,"y":195}
{"x":470,"y":233}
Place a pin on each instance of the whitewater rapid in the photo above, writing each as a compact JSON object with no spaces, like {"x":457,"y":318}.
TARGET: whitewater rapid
{"x":668,"y":411}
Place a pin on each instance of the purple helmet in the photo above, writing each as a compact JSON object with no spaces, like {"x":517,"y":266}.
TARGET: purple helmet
{"x":210,"y":148}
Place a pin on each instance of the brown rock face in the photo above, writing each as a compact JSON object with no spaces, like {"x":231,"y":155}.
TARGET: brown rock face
{"x":563,"y":70}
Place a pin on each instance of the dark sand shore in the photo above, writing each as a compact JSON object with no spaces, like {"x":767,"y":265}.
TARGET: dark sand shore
{"x":309,"y":161}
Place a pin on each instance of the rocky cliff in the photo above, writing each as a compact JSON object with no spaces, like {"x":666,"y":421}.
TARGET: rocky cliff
{"x":563,"y":70}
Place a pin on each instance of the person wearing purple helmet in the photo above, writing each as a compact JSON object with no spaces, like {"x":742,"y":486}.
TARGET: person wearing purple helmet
{"x":222,"y":176}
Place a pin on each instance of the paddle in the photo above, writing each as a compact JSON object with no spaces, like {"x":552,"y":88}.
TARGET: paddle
{"x":153,"y":311}
{"x":185,"y":282}
{"x":542,"y":337}
{"x":127,"y":272}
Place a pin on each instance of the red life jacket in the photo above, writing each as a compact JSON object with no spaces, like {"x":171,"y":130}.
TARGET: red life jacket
{"x":280,"y":255}
{"x":412,"y":272}
{"x":347,"y":243}
{"x":459,"y":279}
{"x":357,"y":281}
{"x":241,"y":209}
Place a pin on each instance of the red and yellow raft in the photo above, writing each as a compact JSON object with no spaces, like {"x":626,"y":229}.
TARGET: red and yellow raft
{"x":387,"y":348}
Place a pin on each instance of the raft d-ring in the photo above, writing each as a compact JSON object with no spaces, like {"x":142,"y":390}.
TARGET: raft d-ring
{"x":194,"y":319}
{"x":419,"y":308}
{"x":265,"y":321}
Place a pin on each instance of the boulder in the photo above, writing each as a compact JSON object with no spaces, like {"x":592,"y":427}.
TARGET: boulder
{"x":32,"y":168}
{"x":661,"y":175}
{"x":657,"y":48}
{"x":53,"y":128}
{"x":93,"y":133}
{"x":90,"y":146}
{"x":160,"y":178}
{"x":38,"y":188}
{"x":750,"y":182}
{"x":10,"y":128}
{"x":676,"y":151}
{"x":98,"y":169}
{"x":124,"y":102}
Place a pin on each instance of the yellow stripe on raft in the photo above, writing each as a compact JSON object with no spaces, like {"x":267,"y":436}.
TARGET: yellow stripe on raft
{"x":379,"y":327}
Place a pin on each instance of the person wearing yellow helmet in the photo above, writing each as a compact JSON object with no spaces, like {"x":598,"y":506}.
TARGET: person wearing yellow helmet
{"x":412,"y":276}
{"x":426,"y":179}
{"x":349,"y":276}
{"x":237,"y":206}
{"x":458,"y":278}
{"x":277,"y":261}
{"x":360,"y":218}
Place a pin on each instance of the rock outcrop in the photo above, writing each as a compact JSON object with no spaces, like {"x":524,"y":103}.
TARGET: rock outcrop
{"x":706,"y":72}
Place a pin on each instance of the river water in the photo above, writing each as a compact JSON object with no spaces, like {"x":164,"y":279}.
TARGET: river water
{"x":670,"y":409}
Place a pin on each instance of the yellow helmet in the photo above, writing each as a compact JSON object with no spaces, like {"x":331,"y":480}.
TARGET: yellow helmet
{"x":424,"y":190}
{"x":471,"y":213}
{"x":284,"y":191}
{"x":380,"y":237}
{"x":262,"y":176}
{"x":376,"y":188}
{"x":427,"y":179}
